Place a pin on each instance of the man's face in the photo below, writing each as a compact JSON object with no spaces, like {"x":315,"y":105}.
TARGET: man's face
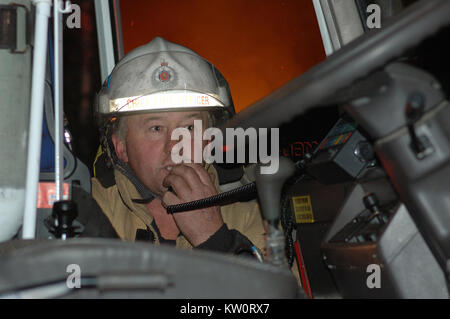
{"x":147,"y":145}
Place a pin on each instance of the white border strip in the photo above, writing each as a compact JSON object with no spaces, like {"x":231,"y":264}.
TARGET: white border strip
{"x":36,"y":116}
{"x":326,"y":40}
{"x":104,"y":36}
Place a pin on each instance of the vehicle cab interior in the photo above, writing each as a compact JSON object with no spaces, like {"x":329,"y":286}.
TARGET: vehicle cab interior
{"x":358,"y":91}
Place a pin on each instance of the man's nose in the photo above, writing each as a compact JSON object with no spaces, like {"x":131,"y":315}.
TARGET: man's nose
{"x":169,"y":144}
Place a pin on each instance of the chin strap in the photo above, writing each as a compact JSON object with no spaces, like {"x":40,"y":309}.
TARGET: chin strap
{"x":147,"y":195}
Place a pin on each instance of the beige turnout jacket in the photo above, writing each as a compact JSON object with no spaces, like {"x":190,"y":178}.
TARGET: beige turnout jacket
{"x":127,"y":216}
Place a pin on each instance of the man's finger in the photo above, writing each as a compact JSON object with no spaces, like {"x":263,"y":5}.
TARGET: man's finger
{"x":203,"y":175}
{"x":187,"y":173}
{"x":169,"y":198}
{"x":178,"y":184}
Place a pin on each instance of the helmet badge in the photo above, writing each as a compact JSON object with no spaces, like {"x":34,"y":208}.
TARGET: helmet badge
{"x":164,"y":74}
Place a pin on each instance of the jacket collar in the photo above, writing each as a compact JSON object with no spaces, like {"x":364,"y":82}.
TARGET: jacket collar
{"x":128,"y":192}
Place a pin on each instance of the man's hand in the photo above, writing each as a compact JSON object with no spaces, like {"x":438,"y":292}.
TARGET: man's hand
{"x":191,"y":182}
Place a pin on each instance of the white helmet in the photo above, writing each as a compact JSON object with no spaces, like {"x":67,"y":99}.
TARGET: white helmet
{"x":164,"y":76}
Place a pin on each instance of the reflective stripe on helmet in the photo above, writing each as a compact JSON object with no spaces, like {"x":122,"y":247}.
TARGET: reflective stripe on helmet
{"x":163,"y":100}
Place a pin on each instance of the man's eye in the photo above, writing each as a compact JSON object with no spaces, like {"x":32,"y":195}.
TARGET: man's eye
{"x":190,"y":127}
{"x":155,"y":128}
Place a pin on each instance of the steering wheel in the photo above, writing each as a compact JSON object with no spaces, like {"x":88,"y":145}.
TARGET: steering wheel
{"x":351,"y":63}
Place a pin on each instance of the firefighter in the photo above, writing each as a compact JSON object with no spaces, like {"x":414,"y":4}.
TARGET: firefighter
{"x":154,"y":90}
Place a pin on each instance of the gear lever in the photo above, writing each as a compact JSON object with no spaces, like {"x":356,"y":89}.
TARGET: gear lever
{"x":269,"y":188}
